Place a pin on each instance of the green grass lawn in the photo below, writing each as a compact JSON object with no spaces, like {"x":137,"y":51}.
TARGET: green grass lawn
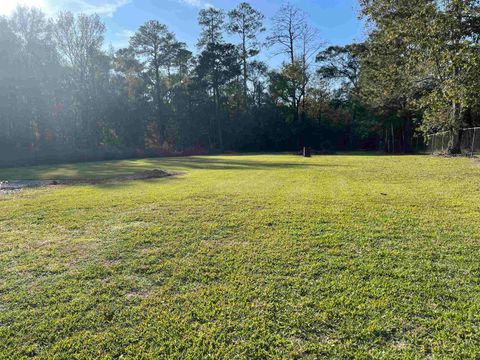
{"x":272,"y":256}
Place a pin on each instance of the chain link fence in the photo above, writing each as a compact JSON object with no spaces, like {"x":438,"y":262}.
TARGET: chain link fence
{"x":438,"y":143}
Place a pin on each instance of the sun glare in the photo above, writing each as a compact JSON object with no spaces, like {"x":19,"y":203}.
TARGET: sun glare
{"x":7,"y":7}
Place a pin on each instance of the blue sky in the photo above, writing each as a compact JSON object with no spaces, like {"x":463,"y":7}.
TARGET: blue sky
{"x":337,"y":20}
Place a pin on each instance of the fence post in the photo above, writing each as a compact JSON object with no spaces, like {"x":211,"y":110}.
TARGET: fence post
{"x":473,"y":141}
{"x":433,"y":144}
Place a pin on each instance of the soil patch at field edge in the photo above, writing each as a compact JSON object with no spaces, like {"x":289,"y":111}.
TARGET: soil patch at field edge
{"x":16,"y":185}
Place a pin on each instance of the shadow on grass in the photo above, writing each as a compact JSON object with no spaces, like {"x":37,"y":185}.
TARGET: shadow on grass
{"x":110,"y":169}
{"x":208,"y":163}
{"x":113,"y":185}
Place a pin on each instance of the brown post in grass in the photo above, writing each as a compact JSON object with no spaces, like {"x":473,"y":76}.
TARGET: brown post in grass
{"x":307,"y":151}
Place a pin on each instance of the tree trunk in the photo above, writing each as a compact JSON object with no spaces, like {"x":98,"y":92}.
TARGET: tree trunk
{"x":454,"y":146}
{"x":294,"y":85}
{"x":158,"y":100}
{"x":408,"y":135}
{"x":245,"y":71}
{"x":393,"y":138}
{"x":217,"y":117}
{"x":351,"y":134}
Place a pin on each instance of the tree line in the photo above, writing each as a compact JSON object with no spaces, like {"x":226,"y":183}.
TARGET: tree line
{"x":64,"y":96}
{"x":422,"y":64}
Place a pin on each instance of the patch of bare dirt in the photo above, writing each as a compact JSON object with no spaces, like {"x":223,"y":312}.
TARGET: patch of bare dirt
{"x":137,"y":293}
{"x":10,"y":186}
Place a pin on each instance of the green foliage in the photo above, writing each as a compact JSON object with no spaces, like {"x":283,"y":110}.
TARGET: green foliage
{"x":425,"y":55}
{"x":341,"y":63}
{"x":247,"y":23}
{"x":64,"y":95}
{"x":212,"y":22}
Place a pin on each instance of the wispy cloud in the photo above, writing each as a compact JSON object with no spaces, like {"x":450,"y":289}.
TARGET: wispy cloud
{"x":105,"y":8}
{"x":121,"y":38}
{"x":196,"y":3}
{"x":101,"y":7}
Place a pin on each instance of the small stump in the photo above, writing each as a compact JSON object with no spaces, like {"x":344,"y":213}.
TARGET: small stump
{"x":307,"y":151}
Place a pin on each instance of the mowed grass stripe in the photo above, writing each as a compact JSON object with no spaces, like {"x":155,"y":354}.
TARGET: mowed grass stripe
{"x":244,"y":256}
